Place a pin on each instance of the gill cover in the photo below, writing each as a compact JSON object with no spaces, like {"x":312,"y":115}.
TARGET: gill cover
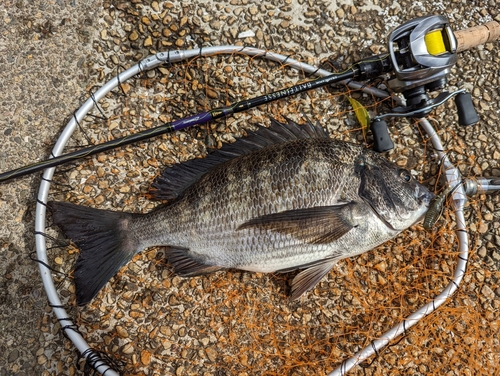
{"x":389,"y":191}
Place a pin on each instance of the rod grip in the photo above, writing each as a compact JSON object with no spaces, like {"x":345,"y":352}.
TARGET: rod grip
{"x":477,"y":35}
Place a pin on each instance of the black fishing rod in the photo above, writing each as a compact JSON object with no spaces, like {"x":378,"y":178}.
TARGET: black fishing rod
{"x":361,"y":71}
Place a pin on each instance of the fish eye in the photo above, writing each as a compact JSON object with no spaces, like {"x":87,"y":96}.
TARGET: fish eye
{"x":405,"y":175}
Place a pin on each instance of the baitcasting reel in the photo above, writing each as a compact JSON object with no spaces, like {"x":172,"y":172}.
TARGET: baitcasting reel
{"x":422,"y":52}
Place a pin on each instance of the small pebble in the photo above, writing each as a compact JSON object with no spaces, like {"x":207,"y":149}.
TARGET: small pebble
{"x":148,"y":41}
{"x":246,"y":34}
{"x":145,"y":357}
{"x":211,"y":354}
{"x":487,"y":292}
{"x":133,"y":36}
{"x":381,"y":266}
{"x":128,"y":348}
{"x":121,"y":331}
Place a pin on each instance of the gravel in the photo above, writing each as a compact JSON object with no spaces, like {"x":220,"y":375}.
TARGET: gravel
{"x":53,"y":53}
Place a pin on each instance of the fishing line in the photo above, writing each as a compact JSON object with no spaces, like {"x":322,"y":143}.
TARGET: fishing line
{"x":64,"y":186}
{"x":367,"y":364}
{"x":96,"y":104}
{"x":81,"y":130}
{"x":119,"y":82}
{"x":65,"y":327}
{"x":44,"y":263}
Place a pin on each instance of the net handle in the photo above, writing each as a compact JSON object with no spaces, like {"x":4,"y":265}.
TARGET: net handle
{"x":100,"y":364}
{"x":477,"y":35}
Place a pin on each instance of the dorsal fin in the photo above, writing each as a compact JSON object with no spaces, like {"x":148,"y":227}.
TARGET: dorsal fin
{"x":175,"y":179}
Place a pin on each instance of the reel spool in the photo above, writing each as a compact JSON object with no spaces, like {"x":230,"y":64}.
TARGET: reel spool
{"x":422,"y":51}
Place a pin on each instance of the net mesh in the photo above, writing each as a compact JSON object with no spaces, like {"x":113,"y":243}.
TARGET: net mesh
{"x":238,"y":323}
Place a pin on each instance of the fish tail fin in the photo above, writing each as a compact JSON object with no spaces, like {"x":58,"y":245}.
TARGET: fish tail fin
{"x":104,"y":240}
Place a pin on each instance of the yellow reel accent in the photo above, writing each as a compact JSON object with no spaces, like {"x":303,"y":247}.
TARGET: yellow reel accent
{"x":435,"y":42}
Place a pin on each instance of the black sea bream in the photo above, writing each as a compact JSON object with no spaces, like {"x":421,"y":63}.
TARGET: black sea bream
{"x":284,"y":198}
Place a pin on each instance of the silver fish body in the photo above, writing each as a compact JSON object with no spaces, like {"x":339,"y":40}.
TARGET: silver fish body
{"x":285,"y":198}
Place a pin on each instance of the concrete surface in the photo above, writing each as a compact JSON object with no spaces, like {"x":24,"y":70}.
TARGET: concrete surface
{"x":50,"y":55}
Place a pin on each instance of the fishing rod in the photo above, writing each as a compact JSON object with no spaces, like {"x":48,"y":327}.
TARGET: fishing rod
{"x":426,"y":50}
{"x":362,"y":70}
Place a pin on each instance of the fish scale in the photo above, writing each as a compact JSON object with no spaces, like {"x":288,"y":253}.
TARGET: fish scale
{"x":221,"y":196}
{"x":283,"y":198}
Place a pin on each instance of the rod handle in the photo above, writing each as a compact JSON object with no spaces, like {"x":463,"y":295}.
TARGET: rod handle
{"x":477,"y":35}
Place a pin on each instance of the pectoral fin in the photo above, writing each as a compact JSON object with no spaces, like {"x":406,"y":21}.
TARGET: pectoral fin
{"x":307,"y":279}
{"x":317,"y":225}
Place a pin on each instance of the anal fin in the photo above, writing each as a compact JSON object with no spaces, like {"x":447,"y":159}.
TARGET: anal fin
{"x":187,"y":265}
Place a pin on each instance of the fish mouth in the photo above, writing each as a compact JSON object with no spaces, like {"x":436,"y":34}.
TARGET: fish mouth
{"x":426,"y":198}
{"x":423,"y":196}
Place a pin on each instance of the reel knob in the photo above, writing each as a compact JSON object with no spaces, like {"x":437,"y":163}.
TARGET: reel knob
{"x":381,"y":138}
{"x":467,"y":114}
